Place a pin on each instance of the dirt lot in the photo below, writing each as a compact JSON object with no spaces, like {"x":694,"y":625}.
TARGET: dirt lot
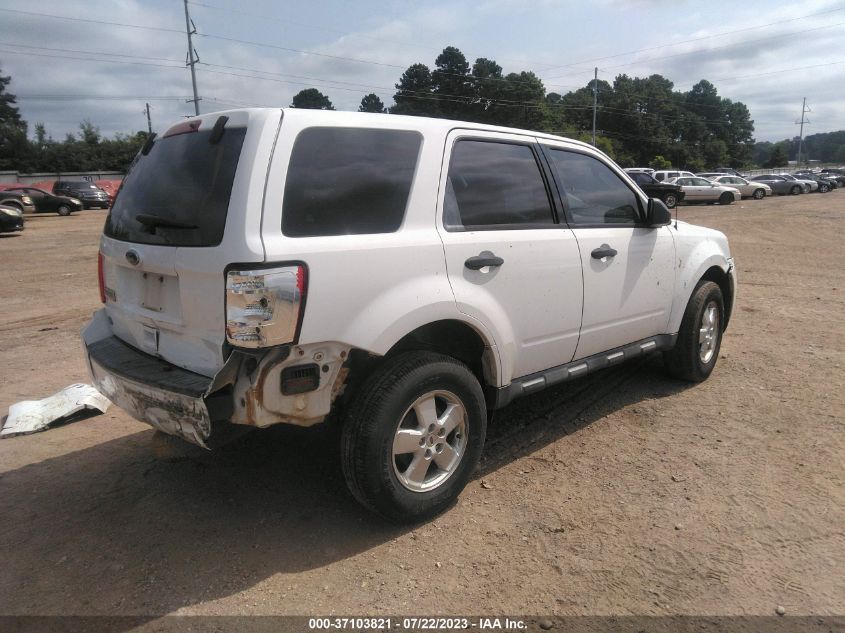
{"x":623,"y":493}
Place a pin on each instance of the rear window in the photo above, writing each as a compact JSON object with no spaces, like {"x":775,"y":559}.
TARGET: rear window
{"x":178,"y":194}
{"x":349,"y":181}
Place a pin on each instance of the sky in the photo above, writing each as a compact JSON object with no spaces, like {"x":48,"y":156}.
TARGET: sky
{"x":113,"y":56}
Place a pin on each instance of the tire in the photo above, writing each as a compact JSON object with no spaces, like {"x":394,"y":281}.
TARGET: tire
{"x":726,"y":198}
{"x":796,"y":189}
{"x":692,"y":358}
{"x":823,"y":188}
{"x":382,"y":421}
{"x":670,"y":200}
{"x":63,"y":210}
{"x":759,"y":194}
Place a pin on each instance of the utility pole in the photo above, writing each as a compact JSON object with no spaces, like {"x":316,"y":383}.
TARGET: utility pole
{"x":192,"y":58}
{"x":804,"y":110}
{"x":149,"y":121}
{"x":595,"y":102}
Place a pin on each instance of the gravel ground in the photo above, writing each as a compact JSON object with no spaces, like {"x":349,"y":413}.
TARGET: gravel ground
{"x":622,"y":493}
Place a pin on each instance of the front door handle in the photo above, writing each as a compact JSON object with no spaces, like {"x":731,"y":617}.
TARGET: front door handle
{"x":603,"y":251}
{"x":478,"y":262}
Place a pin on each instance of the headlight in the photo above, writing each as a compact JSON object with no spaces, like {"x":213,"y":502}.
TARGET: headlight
{"x":9,"y":211}
{"x":264,"y":307}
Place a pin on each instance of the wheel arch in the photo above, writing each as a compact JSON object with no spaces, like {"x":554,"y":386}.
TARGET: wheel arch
{"x":458,"y":339}
{"x":721,"y":279}
{"x":713,"y":268}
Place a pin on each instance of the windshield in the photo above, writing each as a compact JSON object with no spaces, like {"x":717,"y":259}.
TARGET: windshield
{"x":178,"y":194}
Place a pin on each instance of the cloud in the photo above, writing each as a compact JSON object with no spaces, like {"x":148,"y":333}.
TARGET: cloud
{"x":110,"y":90}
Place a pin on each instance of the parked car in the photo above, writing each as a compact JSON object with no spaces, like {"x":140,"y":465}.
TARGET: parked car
{"x":670,"y":194}
{"x":808,"y":185}
{"x":669,"y":174}
{"x":17,"y":200}
{"x":397,"y":273}
{"x":91,"y":196}
{"x":756,"y":190}
{"x":825,"y":184}
{"x":711,"y":174}
{"x":779,"y":184}
{"x":702,"y":190}
{"x":11,"y":219}
{"x":46,"y":202}
{"x":730,"y":171}
{"x":639,"y":170}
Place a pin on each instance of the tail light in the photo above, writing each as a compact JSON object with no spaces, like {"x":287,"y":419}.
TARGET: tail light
{"x":264,"y":307}
{"x":101,"y":277}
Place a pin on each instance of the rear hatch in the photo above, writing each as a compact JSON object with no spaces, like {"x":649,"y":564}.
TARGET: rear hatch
{"x":188,"y":208}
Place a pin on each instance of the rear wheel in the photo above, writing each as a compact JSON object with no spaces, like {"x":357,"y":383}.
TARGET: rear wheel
{"x":796,"y":189}
{"x":700,"y":337}
{"x":413,"y":436}
{"x":759,"y":194}
{"x":726,"y":198}
{"x":63,"y":210}
{"x":670,"y":200}
{"x":823,"y":188}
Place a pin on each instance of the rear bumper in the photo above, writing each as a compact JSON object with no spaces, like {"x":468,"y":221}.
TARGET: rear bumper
{"x":9,"y":224}
{"x":166,"y":397}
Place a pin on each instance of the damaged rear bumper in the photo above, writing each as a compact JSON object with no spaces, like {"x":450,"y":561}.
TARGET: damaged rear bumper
{"x":168,"y":398}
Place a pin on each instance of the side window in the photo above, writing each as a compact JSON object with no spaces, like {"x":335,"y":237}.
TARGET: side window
{"x":642,"y":179}
{"x":494,"y":185}
{"x":593,"y":193}
{"x":349,"y":181}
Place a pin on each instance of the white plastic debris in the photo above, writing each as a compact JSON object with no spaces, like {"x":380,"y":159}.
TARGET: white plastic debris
{"x":31,"y":416}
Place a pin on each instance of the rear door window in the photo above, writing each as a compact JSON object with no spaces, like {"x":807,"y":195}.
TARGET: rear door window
{"x":178,"y":194}
{"x":495,"y":185}
{"x":349,"y":181}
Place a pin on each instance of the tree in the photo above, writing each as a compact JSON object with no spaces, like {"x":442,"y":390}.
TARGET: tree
{"x":452,"y":84}
{"x":311,"y":99}
{"x":658,"y":162}
{"x":777,"y":159}
{"x":14,"y":146}
{"x":371,"y":103}
{"x":414,"y":92}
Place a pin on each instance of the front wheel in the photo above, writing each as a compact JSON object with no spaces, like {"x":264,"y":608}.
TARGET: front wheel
{"x":63,"y":210}
{"x":796,"y":189}
{"x":823,"y":188}
{"x":670,"y":200}
{"x":759,"y":194}
{"x":413,"y":436}
{"x":726,"y":198}
{"x":700,"y":337}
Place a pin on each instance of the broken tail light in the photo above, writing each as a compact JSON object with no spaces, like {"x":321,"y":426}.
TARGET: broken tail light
{"x":264,"y":307}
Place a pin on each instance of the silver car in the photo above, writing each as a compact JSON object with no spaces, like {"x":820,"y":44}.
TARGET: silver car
{"x":756,"y":190}
{"x":702,"y":190}
{"x":779,"y":184}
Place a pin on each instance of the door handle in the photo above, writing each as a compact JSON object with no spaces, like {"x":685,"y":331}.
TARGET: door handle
{"x":603,"y":251}
{"x":478,"y":262}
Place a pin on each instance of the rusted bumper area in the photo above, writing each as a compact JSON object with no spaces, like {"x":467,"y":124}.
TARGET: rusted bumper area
{"x":170,"y":399}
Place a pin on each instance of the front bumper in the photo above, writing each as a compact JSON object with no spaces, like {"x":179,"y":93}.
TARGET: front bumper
{"x":168,"y":398}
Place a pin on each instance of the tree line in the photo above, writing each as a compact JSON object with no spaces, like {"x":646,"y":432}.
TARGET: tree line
{"x":640,"y":121}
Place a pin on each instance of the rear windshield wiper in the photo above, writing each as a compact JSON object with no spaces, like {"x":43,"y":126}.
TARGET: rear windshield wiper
{"x":156,"y":220}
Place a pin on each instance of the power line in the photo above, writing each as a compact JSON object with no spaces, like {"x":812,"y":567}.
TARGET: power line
{"x":696,"y":39}
{"x":733,"y":45}
{"x":92,"y":21}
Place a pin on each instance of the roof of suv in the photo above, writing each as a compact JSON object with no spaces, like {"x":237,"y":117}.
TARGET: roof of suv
{"x":420,"y":123}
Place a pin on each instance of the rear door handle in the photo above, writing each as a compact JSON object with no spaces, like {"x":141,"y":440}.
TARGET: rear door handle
{"x":603,"y":251}
{"x":478,"y":262}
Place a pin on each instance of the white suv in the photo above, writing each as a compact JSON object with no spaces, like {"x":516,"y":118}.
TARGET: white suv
{"x":406,"y":275}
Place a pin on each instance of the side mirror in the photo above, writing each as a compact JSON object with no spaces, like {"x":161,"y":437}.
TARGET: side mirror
{"x":657,"y":213}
